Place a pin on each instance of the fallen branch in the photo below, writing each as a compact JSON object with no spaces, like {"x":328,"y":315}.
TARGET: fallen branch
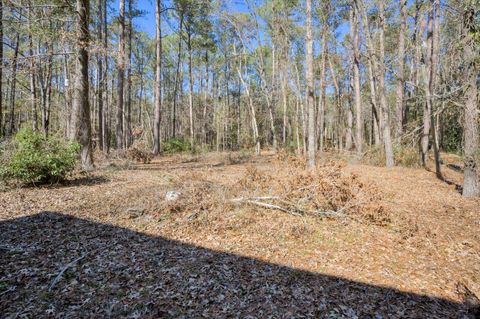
{"x":329,"y":214}
{"x":60,"y":274}
{"x":257,"y":201}
{"x":243,"y":199}
{"x":266,"y":205}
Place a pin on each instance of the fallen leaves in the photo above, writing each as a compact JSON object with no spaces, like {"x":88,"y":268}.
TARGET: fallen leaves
{"x":200,"y":255}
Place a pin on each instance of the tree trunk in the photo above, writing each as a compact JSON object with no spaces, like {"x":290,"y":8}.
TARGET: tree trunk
{"x":383,"y":98}
{"x":400,"y":71}
{"x":310,"y":83}
{"x":272,"y":101}
{"x":250,"y":103}
{"x":321,"y":98}
{"x":372,"y":73}
{"x":285,"y":97}
{"x":471,"y":158}
{"x":349,"y":133}
{"x":47,"y":96}
{"x":177,"y":77}
{"x":13,"y":82}
{"x":205,"y":101}
{"x":33,"y":92}
{"x":158,"y":79}
{"x":1,"y":69}
{"x":297,"y":124}
{"x":356,"y":80}
{"x":128,"y":102}
{"x":106,"y":114}
{"x":426,"y":67}
{"x":338,"y":101}
{"x":120,"y":77}
{"x":272,"y":122}
{"x":68,"y":98}
{"x":416,"y":63}
{"x":471,"y":180}
{"x":239,"y":116}
{"x":302,"y":110}
{"x":81,"y":107}
{"x":45,"y":79}
{"x":100,"y":79}
{"x":190,"y":86}
{"x":433,"y":79}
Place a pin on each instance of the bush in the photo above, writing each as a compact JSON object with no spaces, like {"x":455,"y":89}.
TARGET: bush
{"x":177,"y":145}
{"x":34,"y":159}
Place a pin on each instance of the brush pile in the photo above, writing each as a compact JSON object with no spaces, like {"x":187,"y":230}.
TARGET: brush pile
{"x":328,"y":191}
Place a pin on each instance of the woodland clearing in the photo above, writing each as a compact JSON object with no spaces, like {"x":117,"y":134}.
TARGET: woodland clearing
{"x":348,"y":241}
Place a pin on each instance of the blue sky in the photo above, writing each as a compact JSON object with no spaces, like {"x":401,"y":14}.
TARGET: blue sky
{"x":147,"y":21}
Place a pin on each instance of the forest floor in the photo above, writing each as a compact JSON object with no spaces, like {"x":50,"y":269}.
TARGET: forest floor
{"x":192,"y":236}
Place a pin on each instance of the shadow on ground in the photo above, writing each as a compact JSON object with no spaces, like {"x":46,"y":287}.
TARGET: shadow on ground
{"x":85,"y":181}
{"x":116,"y":272}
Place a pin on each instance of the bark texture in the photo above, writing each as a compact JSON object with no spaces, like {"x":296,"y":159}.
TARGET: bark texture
{"x":310,"y":93}
{"x":81,"y":105}
{"x":158,"y":80}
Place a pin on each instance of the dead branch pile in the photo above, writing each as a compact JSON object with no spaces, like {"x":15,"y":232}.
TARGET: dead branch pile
{"x":286,"y":186}
{"x":139,"y":155}
{"x":327,"y":192}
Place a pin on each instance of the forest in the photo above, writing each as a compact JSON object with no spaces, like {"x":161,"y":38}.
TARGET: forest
{"x":240,"y":158}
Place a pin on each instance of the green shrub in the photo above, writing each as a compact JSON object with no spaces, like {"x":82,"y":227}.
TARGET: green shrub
{"x":33,"y":159}
{"x":177,"y":145}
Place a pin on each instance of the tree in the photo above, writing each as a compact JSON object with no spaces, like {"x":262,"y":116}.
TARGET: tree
{"x":100,"y":79}
{"x":120,"y":77}
{"x":81,"y":107}
{"x":432,"y":83}
{"x":13,"y":82}
{"x":33,"y":88}
{"x":158,"y":79}
{"x":309,"y":91}
{"x":356,"y":80}
{"x":377,"y":71}
{"x":234,"y":80}
{"x":387,"y":140}
{"x":400,"y":70}
{"x":1,"y":68}
{"x":471,"y":44}
{"x":105,"y":116}
{"x":128,"y":95}
{"x":372,"y":66}
{"x":425,"y":68}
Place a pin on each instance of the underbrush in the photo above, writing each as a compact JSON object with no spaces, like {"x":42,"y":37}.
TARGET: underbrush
{"x":32,"y":158}
{"x":240,"y":157}
{"x":405,"y":156}
{"x":327,"y":192}
{"x":177,"y":145}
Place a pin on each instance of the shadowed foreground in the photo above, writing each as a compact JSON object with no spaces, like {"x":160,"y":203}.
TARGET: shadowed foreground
{"x":122,"y":273}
